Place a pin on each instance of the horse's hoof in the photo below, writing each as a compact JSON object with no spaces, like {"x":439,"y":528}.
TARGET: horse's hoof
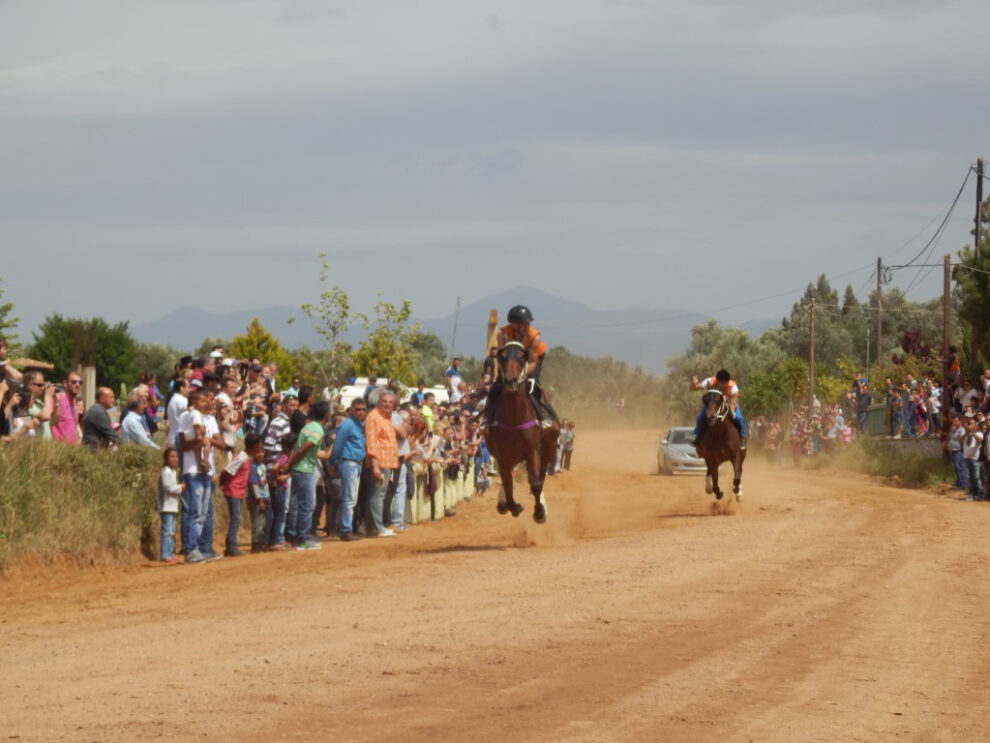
{"x":708,"y":487}
{"x":738,"y":497}
{"x":516,"y":509}
{"x":540,"y":514}
{"x":718,"y":495}
{"x":502,"y":508}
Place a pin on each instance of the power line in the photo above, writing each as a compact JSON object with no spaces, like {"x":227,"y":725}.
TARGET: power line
{"x":945,"y":219}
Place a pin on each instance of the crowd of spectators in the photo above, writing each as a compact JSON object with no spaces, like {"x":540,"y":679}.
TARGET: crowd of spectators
{"x":304,"y":465}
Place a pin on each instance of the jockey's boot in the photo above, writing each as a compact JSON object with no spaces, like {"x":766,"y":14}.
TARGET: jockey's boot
{"x":701,"y":432}
{"x":488,"y":414}
{"x":547,"y":415}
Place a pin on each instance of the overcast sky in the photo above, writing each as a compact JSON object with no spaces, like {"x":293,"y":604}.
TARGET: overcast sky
{"x":622,"y":153}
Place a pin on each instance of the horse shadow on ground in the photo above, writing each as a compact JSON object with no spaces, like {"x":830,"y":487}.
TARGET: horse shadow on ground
{"x":452,"y":548}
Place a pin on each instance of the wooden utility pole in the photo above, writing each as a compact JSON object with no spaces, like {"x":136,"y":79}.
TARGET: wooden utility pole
{"x":811,"y":361}
{"x":974,"y":365}
{"x":879,"y":312}
{"x":946,"y":299}
{"x":979,"y":206}
{"x":453,"y":338}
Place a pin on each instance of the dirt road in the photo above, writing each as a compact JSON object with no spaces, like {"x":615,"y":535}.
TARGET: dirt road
{"x":825,"y":608}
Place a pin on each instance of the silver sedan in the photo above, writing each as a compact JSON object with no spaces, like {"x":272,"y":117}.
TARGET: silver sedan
{"x":677,"y":454}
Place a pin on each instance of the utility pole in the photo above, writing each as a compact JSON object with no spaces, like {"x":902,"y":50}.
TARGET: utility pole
{"x":974,"y":365}
{"x":879,"y":313}
{"x":453,"y":339}
{"x":811,"y":361}
{"x":946,"y":299}
{"x":979,"y":206}
{"x":868,"y":356}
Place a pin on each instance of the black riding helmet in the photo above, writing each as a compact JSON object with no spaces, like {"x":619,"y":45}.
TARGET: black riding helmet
{"x":722,"y":375}
{"x":520,"y":313}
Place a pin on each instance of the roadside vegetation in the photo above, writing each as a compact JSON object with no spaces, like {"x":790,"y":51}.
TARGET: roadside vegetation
{"x":879,"y":459}
{"x":65,"y":502}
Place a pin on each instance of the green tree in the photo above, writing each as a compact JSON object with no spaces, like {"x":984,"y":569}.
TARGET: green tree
{"x":116,"y":350}
{"x":387,"y":351}
{"x":8,"y":324}
{"x":207,"y":345}
{"x":429,"y":357}
{"x":258,"y":343}
{"x":157,"y":359}
{"x":973,"y":283}
{"x":331,"y":317}
{"x":832,"y":335}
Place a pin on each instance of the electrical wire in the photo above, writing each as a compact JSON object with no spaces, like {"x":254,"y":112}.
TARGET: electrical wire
{"x":945,"y":219}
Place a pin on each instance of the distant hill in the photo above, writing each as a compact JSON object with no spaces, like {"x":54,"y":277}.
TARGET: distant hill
{"x":639,"y":337}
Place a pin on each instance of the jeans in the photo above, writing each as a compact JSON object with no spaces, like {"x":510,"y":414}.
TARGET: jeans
{"x":907,"y":420}
{"x":199,"y":491}
{"x":188,"y":516}
{"x":350,"y":479}
{"x":259,"y":521}
{"x":332,"y":487}
{"x":960,"y":468}
{"x":376,"y":501}
{"x":168,"y":535}
{"x":302,"y":504}
{"x":974,"y":479}
{"x":861,"y":417}
{"x":206,"y":537}
{"x":276,"y":517}
{"x":397,"y":501}
{"x":234,"y":506}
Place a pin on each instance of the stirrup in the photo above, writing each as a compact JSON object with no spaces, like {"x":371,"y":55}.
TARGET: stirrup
{"x":546,"y":423}
{"x":742,"y":444}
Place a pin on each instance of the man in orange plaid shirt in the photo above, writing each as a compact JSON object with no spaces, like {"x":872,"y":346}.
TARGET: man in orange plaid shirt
{"x":382,"y":456}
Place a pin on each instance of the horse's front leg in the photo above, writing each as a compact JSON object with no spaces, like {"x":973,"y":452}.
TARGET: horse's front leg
{"x":737,"y":477}
{"x":506,"y":502}
{"x":536,"y":473}
{"x":713,"y":472}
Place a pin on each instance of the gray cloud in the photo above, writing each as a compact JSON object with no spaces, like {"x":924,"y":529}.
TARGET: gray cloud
{"x":609,"y":149}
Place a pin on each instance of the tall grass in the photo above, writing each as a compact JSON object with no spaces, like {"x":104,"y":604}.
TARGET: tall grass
{"x":878,"y":458}
{"x":61,"y":501}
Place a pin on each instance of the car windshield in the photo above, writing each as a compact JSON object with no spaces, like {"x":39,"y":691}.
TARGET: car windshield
{"x":680,"y":437}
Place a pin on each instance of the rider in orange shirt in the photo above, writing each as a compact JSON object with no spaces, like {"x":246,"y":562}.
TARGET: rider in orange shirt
{"x":724,"y":383}
{"x":519,"y":329}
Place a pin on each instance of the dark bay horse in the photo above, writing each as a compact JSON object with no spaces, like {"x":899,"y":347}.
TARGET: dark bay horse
{"x":720,"y":442}
{"x":515,"y":434}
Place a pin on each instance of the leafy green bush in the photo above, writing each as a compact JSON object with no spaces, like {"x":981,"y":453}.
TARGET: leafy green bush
{"x":65,"y":501}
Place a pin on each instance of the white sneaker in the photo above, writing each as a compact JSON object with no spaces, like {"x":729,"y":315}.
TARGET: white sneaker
{"x":385,"y":533}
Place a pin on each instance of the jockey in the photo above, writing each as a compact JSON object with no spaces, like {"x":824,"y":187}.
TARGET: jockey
{"x":723,"y":382}
{"x":519,"y":329}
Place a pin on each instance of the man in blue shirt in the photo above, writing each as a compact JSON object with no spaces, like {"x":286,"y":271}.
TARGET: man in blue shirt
{"x":347,"y":459}
{"x":134,"y":427}
{"x":453,"y":376}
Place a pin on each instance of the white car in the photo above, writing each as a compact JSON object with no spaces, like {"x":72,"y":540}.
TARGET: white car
{"x":440,"y":394}
{"x":676,"y":453}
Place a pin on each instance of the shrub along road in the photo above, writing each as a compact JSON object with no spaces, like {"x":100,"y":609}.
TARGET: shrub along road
{"x":825,"y":607}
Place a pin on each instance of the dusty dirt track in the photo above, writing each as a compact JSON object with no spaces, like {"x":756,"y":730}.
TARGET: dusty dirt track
{"x":826,"y":608}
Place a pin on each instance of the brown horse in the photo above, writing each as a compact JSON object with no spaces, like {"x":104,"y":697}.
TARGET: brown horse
{"x":720,"y":442}
{"x":515,"y":434}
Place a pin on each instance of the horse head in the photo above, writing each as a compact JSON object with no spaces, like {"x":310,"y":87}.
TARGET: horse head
{"x":512,"y":363}
{"x":716,"y":408}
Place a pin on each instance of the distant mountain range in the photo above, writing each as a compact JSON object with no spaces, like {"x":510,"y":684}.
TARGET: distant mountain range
{"x":640,"y":337}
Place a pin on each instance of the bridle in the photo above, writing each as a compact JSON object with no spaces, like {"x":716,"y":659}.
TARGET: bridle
{"x":513,"y":351}
{"x":723,"y":407}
